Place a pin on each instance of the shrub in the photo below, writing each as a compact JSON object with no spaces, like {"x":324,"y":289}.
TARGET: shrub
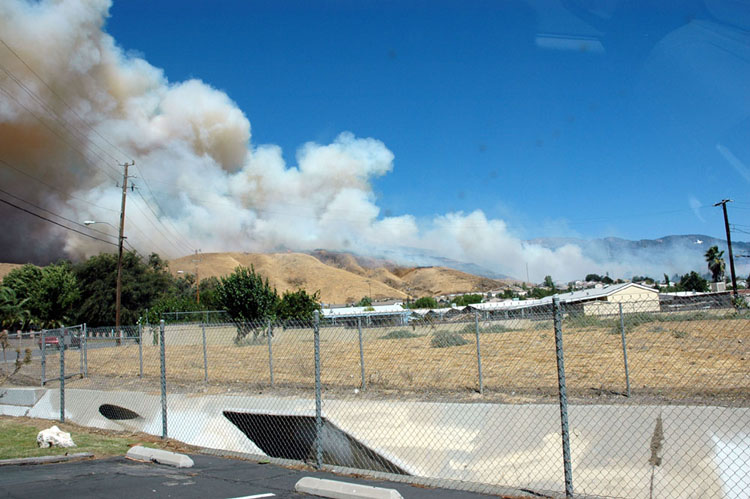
{"x":444,"y":339}
{"x":492,"y":328}
{"x":399,"y":334}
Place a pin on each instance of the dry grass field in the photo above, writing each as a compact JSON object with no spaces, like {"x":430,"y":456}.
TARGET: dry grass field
{"x":689,"y":360}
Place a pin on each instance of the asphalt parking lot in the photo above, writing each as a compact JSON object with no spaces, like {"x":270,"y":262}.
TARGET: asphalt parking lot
{"x":210,"y":477}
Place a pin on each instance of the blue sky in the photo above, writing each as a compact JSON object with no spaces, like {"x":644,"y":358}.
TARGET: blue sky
{"x":611,"y":132}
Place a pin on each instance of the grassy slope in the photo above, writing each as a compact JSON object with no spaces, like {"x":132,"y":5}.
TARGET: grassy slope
{"x":18,"y":437}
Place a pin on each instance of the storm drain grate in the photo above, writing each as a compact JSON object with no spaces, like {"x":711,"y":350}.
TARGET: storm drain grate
{"x":117,"y":413}
{"x":293,"y":437}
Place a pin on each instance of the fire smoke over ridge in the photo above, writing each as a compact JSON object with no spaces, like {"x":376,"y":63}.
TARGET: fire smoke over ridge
{"x":192,"y":145}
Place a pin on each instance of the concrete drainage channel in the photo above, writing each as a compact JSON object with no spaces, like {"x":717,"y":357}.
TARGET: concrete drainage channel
{"x":298,"y":442}
{"x":460,"y":443}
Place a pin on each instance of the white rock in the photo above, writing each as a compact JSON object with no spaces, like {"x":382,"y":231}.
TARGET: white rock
{"x":54,"y":437}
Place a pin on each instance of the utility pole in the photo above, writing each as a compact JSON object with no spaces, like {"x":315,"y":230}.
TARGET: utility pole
{"x":196,"y":261}
{"x":723,"y":204}
{"x":118,"y":298}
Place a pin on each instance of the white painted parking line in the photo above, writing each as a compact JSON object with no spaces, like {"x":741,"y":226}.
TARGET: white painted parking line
{"x":256,"y":496}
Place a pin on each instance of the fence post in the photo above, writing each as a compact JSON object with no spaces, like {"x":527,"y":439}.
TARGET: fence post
{"x":163,"y":381}
{"x":361,"y":354}
{"x":557,"y":313}
{"x":140,"y":349}
{"x":61,"y":347}
{"x":624,"y":352}
{"x":80,"y":351}
{"x":479,"y":353}
{"x":85,"y":350}
{"x":270,"y":351}
{"x":318,"y":401}
{"x":205,"y":354}
{"x":43,"y":344}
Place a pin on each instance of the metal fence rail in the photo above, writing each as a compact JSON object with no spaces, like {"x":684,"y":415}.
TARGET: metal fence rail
{"x":626,"y":399}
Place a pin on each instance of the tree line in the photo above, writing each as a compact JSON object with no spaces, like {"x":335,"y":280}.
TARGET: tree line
{"x":66,"y":293}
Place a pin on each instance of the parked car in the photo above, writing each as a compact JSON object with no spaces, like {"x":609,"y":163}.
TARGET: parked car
{"x":53,"y":341}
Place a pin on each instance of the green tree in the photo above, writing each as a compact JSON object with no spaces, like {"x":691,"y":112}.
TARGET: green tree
{"x":425,"y":302}
{"x":593,"y":277}
{"x":247,"y":298}
{"x":58,"y":293}
{"x":143,"y":283}
{"x":464,"y":300}
{"x":24,"y":281}
{"x":666,"y":280}
{"x":13,"y":312}
{"x":692,"y":282}
{"x":51,"y":292}
{"x":548,"y":282}
{"x":715,"y":261}
{"x":298,"y":306}
{"x":541,"y":292}
{"x":208,"y":287}
{"x":366,"y":301}
{"x":607,"y":280}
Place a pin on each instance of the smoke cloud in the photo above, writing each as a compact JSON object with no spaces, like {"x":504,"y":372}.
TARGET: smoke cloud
{"x":96,"y":105}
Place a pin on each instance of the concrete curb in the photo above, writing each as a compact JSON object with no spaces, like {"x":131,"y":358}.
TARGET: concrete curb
{"x":140,"y":453}
{"x":46,"y":459}
{"x":343,"y":490}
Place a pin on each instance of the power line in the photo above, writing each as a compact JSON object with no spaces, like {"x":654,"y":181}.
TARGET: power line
{"x":60,"y":98}
{"x":57,"y":116}
{"x":52,"y":213}
{"x":50,"y":186}
{"x":148,"y":219}
{"x":175,"y":232}
{"x":63,"y":139}
{"x":60,"y":120}
{"x":56,"y":223}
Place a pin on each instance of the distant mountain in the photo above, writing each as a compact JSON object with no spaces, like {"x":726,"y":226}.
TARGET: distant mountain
{"x":668,"y":254}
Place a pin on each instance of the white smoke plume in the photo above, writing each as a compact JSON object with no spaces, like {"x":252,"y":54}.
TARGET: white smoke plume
{"x":192,"y":146}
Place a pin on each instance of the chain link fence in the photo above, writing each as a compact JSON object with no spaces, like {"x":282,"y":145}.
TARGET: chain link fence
{"x":635,"y":398}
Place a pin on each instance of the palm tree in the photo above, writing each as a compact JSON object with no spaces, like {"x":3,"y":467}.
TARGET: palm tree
{"x":12,"y":312}
{"x":716,"y":264}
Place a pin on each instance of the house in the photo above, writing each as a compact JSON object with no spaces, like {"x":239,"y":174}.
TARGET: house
{"x":604,"y":300}
{"x":367,"y":316}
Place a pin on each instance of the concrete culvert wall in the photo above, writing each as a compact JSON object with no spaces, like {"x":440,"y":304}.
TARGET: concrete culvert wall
{"x":117,"y":413}
{"x":293,"y":437}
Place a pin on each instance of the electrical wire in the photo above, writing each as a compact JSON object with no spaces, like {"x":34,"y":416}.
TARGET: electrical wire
{"x":50,"y":186}
{"x":175,"y":232}
{"x":148,"y":219}
{"x":63,"y":139}
{"x":56,"y":223}
{"x":40,"y":101}
{"x":60,"y":98}
{"x":53,"y":213}
{"x":67,"y":125}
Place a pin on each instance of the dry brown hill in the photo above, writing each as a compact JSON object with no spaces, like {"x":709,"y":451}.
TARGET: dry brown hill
{"x":341,"y":277}
{"x":442,"y":281}
{"x":290,"y":271}
{"x":5,"y":268}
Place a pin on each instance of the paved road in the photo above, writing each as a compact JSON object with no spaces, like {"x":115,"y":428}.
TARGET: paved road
{"x":211,"y":477}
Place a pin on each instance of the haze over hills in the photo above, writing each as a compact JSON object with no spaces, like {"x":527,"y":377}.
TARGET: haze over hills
{"x":674,"y":254}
